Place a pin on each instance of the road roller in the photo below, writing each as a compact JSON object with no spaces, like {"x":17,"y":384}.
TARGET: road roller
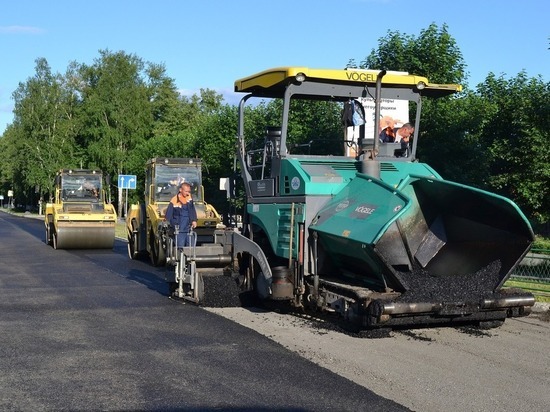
{"x":81,"y":215}
{"x":187,"y":269}
{"x":145,"y":223}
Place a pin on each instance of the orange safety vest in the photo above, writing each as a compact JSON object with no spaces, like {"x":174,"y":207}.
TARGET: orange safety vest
{"x":177,"y":199}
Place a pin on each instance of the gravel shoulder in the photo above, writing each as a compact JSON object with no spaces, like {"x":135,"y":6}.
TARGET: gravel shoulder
{"x":429,"y":369}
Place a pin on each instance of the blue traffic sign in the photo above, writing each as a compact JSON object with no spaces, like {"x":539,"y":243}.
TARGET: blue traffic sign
{"x":127,"y":181}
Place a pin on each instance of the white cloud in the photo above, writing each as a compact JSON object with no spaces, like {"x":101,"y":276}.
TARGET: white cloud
{"x":229,"y":96}
{"x":20,"y":30}
{"x":188,"y":92}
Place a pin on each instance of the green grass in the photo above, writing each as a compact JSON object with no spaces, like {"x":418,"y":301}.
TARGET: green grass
{"x":120,"y":230}
{"x":539,"y":289}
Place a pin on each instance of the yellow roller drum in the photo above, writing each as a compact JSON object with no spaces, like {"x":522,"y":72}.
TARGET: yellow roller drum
{"x":85,"y":236}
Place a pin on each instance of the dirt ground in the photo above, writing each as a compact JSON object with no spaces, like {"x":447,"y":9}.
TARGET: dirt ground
{"x":429,"y":369}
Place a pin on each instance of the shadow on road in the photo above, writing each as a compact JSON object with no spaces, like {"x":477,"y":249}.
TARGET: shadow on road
{"x":115,"y":260}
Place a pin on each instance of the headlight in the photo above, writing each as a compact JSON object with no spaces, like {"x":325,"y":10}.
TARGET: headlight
{"x":300,"y":77}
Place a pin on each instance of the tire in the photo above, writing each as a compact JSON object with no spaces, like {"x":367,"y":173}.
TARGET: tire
{"x":200,"y":289}
{"x":54,"y":241}
{"x":262,"y":287}
{"x":152,"y":246}
{"x":132,"y":254}
{"x":249,"y":269}
{"x":133,"y":242}
{"x":48,"y":237}
{"x":158,"y":254}
{"x":49,"y":231}
{"x":172,"y":287}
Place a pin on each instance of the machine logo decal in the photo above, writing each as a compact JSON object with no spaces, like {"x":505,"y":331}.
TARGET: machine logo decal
{"x":364,"y":77}
{"x":295,"y":183}
{"x":363,"y":211}
{"x":342,"y":205}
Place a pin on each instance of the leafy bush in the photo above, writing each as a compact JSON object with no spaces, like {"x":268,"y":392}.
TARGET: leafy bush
{"x":541,"y":243}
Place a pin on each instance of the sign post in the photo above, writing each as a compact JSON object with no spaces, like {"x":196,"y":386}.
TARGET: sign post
{"x":126,"y":182}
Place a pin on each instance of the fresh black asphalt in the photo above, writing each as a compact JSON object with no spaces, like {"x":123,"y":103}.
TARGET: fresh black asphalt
{"x":86,"y":330}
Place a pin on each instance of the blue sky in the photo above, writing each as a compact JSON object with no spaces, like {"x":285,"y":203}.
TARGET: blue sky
{"x":211,"y":43}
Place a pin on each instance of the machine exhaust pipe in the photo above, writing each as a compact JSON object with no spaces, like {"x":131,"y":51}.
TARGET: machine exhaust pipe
{"x":377,"y":105}
{"x":369,"y":165}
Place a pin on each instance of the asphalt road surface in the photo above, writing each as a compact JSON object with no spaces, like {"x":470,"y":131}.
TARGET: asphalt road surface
{"x":89,"y":330}
{"x":93,"y":330}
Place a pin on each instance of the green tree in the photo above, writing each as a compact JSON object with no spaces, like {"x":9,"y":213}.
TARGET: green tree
{"x":516,"y":133}
{"x":316,"y":124}
{"x":445,"y":127}
{"x":167,"y":106}
{"x":434,"y":54}
{"x":216,"y":146}
{"x":41,"y":139}
{"x":11,"y":175}
{"x":312,"y":126}
{"x":199,"y":114}
{"x":449,"y":139}
{"x":116,"y":114}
